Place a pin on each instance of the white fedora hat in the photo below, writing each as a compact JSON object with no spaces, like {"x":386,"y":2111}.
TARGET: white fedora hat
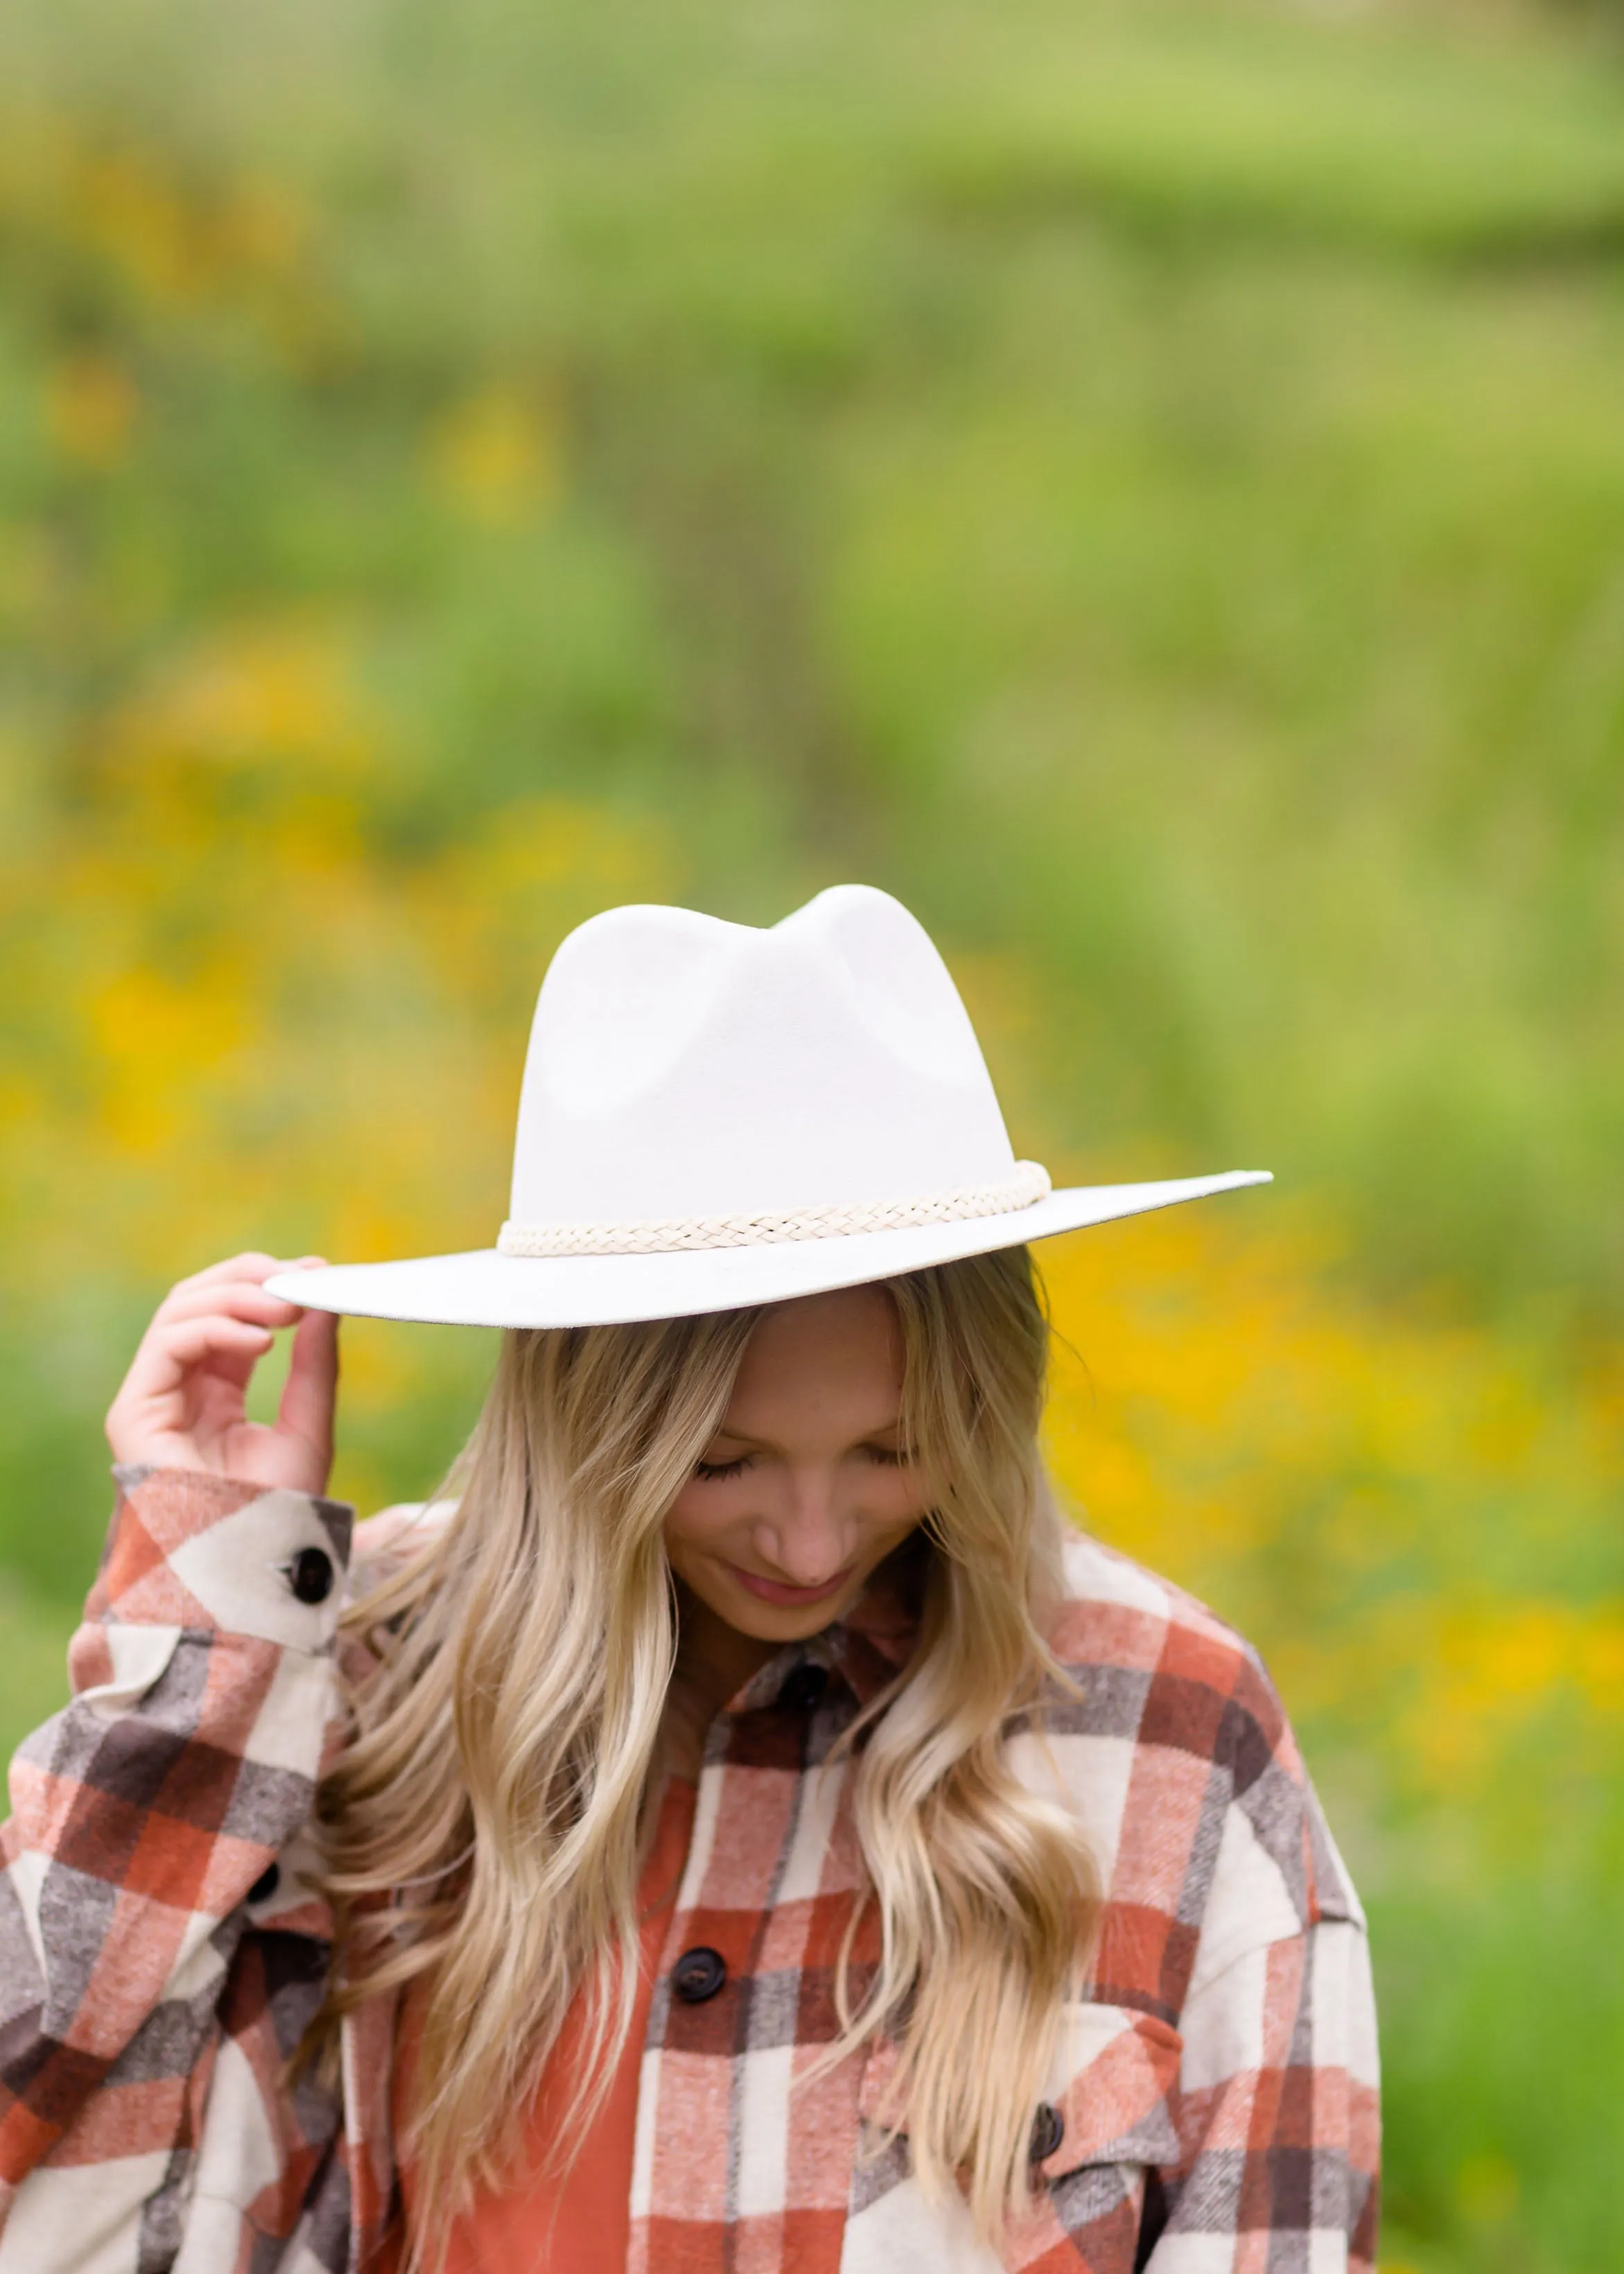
{"x":714,"y":1115}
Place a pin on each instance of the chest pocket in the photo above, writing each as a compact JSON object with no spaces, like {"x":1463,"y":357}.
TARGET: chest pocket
{"x":1107,"y":2094}
{"x":1111,"y":2088}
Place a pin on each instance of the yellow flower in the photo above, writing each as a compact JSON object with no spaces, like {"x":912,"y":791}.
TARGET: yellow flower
{"x":90,"y":410}
{"x":264,"y":692}
{"x":496,"y":455}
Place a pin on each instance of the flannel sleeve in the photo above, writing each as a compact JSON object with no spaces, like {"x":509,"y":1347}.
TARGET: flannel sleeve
{"x":1277,"y":2113}
{"x":142,"y":1815}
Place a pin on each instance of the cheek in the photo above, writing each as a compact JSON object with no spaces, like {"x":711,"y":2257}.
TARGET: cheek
{"x":698,"y":1532}
{"x":695,"y":1519}
{"x":894,"y":1501}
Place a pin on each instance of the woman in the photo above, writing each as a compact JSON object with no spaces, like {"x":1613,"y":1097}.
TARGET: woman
{"x":752,"y":1831}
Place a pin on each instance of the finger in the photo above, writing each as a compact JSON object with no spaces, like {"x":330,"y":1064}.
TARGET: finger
{"x":189,"y":1340}
{"x":175,"y":1350}
{"x":306,"y":1406}
{"x":251,"y":1265}
{"x":234,"y":1298}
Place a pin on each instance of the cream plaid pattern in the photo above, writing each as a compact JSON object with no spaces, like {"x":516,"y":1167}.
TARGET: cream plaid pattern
{"x":160,"y":1953}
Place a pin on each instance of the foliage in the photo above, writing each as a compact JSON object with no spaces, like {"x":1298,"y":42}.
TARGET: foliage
{"x":1412,"y":1517}
{"x":1145,"y":484}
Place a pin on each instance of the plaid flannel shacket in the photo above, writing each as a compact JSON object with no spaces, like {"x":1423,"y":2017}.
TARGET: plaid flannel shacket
{"x":1212,"y":2104}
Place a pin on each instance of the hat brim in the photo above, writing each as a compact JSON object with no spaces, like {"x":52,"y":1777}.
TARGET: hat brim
{"x":483,"y":1288}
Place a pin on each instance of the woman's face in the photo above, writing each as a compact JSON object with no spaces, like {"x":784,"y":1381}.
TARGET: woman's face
{"x":806,"y":1486}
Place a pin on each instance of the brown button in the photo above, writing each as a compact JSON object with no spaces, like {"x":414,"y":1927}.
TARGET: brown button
{"x":698,"y":1975}
{"x":1048,"y":2131}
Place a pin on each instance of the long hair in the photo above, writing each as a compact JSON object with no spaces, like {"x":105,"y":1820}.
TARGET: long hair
{"x":481,"y":1823}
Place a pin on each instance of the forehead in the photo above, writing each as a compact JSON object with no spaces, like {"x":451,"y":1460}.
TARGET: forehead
{"x":822,"y":1352}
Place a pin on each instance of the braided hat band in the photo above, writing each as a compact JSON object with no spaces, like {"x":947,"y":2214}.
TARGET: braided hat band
{"x":829,"y":1220}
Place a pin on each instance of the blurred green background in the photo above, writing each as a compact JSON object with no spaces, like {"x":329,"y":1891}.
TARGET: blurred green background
{"x":1143,"y":482}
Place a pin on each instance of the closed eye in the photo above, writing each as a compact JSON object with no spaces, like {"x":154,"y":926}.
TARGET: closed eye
{"x":712,"y":1470}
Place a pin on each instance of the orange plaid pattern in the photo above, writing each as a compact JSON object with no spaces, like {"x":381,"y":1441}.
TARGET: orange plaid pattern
{"x":1210,"y":2107}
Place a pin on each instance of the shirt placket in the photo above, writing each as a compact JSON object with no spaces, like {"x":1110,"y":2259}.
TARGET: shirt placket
{"x":740,"y":2159}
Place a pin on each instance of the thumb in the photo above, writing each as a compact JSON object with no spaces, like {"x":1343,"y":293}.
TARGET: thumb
{"x":306,"y":1406}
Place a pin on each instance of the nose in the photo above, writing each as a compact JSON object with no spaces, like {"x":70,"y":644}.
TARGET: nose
{"x":811,"y":1538}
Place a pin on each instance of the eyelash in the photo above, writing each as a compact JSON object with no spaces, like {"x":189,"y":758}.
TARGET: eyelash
{"x":714,"y":1471}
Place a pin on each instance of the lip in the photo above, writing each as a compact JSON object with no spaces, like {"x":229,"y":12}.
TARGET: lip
{"x":772,"y":1591}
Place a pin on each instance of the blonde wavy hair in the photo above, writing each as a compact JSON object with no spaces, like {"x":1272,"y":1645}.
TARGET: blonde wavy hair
{"x":483,"y":1825}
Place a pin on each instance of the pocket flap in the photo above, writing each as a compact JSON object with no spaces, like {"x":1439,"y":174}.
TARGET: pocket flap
{"x":1110,"y":2082}
{"x":1112,"y":2078}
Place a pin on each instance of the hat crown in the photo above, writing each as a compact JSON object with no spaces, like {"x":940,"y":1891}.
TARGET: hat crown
{"x":679,"y":1066}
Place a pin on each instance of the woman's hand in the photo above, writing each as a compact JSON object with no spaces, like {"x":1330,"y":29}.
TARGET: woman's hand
{"x":182,"y":1403}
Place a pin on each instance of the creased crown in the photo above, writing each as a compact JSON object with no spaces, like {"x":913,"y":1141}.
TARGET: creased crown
{"x":681,"y":1067}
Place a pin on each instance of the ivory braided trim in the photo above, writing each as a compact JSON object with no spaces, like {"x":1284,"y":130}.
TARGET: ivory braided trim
{"x":829,"y":1220}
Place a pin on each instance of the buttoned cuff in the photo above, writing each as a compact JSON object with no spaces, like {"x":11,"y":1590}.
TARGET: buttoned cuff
{"x":190,"y":1549}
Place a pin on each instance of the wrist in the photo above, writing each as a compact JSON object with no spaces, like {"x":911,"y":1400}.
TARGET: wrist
{"x":266,"y":1468}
